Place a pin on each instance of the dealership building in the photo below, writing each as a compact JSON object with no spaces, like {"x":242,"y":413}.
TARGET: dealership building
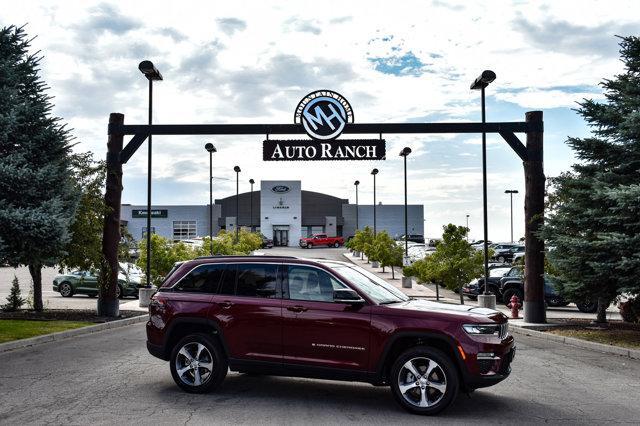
{"x":280,"y":210}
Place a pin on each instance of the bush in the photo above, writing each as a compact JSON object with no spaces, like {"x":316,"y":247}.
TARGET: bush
{"x":14,"y":301}
{"x":630,"y":310}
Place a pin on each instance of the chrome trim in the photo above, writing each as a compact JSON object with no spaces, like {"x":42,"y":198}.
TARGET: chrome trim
{"x":216,"y":263}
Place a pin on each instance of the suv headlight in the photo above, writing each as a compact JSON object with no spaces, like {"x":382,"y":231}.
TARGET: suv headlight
{"x":482,"y":329}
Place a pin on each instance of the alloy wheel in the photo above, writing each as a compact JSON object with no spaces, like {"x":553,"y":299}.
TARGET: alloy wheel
{"x":422,"y":382}
{"x":65,"y":290}
{"x":194,"y":364}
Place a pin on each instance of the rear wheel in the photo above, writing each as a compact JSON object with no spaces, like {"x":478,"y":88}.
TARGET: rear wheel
{"x":66,"y":290}
{"x":197,"y":364}
{"x":119,"y":292}
{"x":509,"y":293}
{"x":336,"y":244}
{"x":424,"y":380}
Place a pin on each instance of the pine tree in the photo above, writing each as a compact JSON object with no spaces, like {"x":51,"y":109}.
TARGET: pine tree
{"x":14,"y":299}
{"x":594,"y":221}
{"x":37,"y":196}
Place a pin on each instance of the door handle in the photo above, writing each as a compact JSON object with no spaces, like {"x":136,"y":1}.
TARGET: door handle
{"x":296,"y":309}
{"x":226,"y":304}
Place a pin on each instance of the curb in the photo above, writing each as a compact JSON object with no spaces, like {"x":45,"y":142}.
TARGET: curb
{"x":584,"y":344}
{"x":32,"y":341}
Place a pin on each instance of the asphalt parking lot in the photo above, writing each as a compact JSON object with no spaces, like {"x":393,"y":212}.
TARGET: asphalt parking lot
{"x":109,"y":378}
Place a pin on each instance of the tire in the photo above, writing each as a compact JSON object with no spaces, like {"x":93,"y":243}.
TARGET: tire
{"x":588,"y":307}
{"x":92,"y":295}
{"x":309,"y":245}
{"x":501,"y":259}
{"x":66,"y":289}
{"x":211,"y":368}
{"x":508,"y":293}
{"x":555,"y":301}
{"x":433,"y":393}
{"x":336,"y":244}
{"x":119,"y":292}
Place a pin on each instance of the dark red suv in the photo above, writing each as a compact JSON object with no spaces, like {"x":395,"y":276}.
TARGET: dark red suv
{"x":321,"y":319}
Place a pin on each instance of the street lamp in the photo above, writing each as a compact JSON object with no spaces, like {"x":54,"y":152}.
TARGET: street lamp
{"x":467,"y":228}
{"x":251,"y":181}
{"x":357,"y":183}
{"x":211,"y":149}
{"x":151,"y":72}
{"x":405,"y":153}
{"x":511,"y":192}
{"x":481,"y":83}
{"x":374,"y":172}
{"x":237,"y":170}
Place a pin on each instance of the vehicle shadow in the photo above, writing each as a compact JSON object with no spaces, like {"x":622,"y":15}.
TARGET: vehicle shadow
{"x":364,"y":401}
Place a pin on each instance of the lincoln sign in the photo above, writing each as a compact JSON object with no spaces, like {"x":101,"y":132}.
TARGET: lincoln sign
{"x":323,"y":114}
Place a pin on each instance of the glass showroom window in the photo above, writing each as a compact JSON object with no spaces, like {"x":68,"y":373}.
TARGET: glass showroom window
{"x":184,"y":229}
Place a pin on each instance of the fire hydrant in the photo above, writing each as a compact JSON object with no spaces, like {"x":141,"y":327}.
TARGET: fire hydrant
{"x":515,"y":305}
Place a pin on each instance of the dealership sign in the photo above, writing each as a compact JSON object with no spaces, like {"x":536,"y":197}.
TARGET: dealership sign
{"x":323,"y":114}
{"x":137,"y":213}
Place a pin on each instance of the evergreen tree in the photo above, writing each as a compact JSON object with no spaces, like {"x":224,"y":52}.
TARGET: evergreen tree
{"x":594,"y":221}
{"x":37,"y":195}
{"x":14,"y":299}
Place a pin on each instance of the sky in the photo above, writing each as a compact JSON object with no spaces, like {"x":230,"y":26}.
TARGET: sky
{"x":403,"y":61}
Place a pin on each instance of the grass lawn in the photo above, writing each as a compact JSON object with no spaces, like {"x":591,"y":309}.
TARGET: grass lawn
{"x":624,"y":337}
{"x":14,"y":329}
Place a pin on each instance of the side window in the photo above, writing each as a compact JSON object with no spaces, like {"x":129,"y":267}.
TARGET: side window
{"x":203,"y":279}
{"x":228,"y":284}
{"x":312,"y":284}
{"x":257,"y":280}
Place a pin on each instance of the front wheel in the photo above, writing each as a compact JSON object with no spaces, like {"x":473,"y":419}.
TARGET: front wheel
{"x":197,"y":364}
{"x":424,"y":380}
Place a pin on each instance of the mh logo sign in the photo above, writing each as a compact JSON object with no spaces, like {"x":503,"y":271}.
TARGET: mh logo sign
{"x":323,"y":114}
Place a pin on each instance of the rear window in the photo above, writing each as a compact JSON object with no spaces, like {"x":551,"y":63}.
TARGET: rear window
{"x":257,"y":280}
{"x":203,"y":279}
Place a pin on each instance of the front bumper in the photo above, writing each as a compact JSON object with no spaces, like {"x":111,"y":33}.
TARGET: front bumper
{"x":502,"y":371}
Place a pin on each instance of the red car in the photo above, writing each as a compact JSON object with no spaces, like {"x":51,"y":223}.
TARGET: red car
{"x":321,"y":240}
{"x":326,"y":319}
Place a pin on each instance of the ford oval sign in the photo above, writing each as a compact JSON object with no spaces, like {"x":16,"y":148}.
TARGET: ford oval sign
{"x":323,"y":114}
{"x":280,"y":189}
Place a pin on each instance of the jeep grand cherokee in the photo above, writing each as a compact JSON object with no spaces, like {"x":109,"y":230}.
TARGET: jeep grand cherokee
{"x":321,"y":319}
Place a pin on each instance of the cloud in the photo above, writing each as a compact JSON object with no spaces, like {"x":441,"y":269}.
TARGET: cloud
{"x":231,"y":25}
{"x":341,"y":20}
{"x":105,"y":18}
{"x":303,"y":25}
{"x":175,"y":35}
{"x":558,"y":35}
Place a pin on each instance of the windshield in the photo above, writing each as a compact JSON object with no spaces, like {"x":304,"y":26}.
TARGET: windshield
{"x":376,"y":288}
{"x":498,"y":272}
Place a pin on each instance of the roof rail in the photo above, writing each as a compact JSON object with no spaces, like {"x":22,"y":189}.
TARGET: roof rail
{"x":219,"y":256}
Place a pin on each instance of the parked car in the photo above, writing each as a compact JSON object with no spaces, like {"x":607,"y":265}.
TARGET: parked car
{"x":84,"y":282}
{"x":479,"y":245}
{"x":321,"y":240}
{"x":297,"y":317}
{"x":515,"y":286}
{"x":416,"y":238}
{"x":418,"y":252}
{"x":505,"y":255}
{"x":267,"y":242}
{"x":475,"y":287}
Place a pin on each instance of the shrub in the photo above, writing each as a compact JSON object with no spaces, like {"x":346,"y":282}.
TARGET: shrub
{"x":14,"y":300}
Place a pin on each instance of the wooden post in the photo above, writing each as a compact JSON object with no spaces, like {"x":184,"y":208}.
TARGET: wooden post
{"x":107,"y":302}
{"x":534,"y":306}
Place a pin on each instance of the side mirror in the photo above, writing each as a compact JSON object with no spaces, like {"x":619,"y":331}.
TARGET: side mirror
{"x":347,"y":296}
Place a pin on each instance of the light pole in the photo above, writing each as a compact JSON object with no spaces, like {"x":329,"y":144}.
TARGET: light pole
{"x":237,"y":170}
{"x":467,"y":228}
{"x":374,"y":172}
{"x":151,"y":72}
{"x":481,"y":83}
{"x":251,"y":181}
{"x":405,"y":153}
{"x":357,"y":183}
{"x":511,"y":192}
{"x":211,"y":149}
